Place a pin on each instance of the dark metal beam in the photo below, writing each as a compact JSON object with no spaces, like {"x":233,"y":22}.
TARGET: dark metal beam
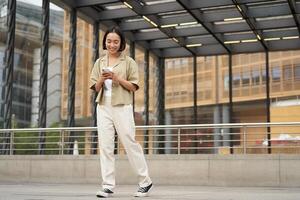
{"x":195,"y":106}
{"x":96,"y":28}
{"x":268,"y":101}
{"x":252,"y":24}
{"x":86,"y":3}
{"x":42,"y":121}
{"x":8,"y":71}
{"x":72,"y":76}
{"x":195,"y":113}
{"x":146,"y":100}
{"x":230,"y":74}
{"x":137,"y":8}
{"x":293,"y":8}
{"x":160,"y":101}
{"x":208,"y":27}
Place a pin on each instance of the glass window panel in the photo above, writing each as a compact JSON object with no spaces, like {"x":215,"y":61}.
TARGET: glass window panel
{"x":246,"y":78}
{"x":26,"y":60}
{"x":287,"y":72}
{"x":236,"y":80}
{"x":255,"y":76}
{"x":297,"y":71}
{"x":179,"y":95}
{"x":276,"y":73}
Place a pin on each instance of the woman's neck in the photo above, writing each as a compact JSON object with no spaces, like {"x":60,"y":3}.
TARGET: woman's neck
{"x":115,"y":55}
{"x":112,"y":58}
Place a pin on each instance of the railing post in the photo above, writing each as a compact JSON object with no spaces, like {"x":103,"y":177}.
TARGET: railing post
{"x":11,"y":145}
{"x":178,"y":141}
{"x":245,"y":140}
{"x":62,"y":142}
{"x":118,"y":147}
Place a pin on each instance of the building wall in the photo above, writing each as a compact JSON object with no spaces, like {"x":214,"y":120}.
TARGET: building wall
{"x":84,"y":64}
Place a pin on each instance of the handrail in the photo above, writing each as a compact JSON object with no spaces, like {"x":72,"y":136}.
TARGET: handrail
{"x":185,"y":138}
{"x":160,"y":127}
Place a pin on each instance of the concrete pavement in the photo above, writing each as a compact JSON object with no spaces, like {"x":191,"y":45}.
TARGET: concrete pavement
{"x":38,"y":191}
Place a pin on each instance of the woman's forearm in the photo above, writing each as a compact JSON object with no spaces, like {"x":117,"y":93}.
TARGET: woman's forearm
{"x":127,"y":85}
{"x":99,"y":85}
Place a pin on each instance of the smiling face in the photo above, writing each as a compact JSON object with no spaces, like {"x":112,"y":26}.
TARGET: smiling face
{"x":113,"y":42}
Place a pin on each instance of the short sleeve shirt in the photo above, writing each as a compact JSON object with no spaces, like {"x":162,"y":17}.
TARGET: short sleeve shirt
{"x":125,"y":68}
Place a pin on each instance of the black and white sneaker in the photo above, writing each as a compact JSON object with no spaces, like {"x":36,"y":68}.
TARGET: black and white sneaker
{"x":143,"y":191}
{"x":104,"y":193}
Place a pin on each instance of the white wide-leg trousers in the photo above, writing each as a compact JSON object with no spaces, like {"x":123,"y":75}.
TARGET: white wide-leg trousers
{"x":120,"y":118}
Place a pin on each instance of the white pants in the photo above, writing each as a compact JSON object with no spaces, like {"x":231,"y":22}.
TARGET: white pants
{"x":119,"y":118}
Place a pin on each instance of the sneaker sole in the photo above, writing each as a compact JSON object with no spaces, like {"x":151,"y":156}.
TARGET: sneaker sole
{"x":102,"y":196}
{"x":144,"y":194}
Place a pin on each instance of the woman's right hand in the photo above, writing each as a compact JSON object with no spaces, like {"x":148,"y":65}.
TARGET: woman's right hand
{"x":100,"y":82}
{"x":106,"y":75}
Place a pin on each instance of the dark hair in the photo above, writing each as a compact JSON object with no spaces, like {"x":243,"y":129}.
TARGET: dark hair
{"x":116,"y":30}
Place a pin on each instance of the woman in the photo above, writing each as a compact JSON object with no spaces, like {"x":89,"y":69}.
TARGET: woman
{"x":115,"y":78}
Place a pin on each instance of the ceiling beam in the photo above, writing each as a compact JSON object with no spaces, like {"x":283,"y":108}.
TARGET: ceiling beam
{"x":88,"y":11}
{"x":252,"y":24}
{"x":208,"y":27}
{"x":115,"y":14}
{"x":138,"y":9}
{"x":295,"y":13}
{"x":87,"y":3}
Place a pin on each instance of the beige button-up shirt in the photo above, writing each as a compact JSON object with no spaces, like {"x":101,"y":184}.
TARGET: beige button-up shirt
{"x":125,"y":68}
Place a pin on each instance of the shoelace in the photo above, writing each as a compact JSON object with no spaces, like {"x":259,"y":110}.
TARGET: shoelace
{"x":107,"y":191}
{"x":144,"y":189}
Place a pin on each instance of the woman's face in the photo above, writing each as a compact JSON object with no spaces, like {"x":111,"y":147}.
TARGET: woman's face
{"x":113,"y":42}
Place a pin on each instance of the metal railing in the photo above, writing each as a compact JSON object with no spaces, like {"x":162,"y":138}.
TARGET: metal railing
{"x":234,"y":138}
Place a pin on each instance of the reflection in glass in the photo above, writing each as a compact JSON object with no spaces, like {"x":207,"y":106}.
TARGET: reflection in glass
{"x":3,"y":32}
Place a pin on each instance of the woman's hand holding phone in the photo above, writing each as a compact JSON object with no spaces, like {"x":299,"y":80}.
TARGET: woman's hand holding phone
{"x":106,"y":74}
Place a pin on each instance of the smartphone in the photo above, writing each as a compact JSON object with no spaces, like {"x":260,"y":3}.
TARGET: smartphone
{"x":105,"y":70}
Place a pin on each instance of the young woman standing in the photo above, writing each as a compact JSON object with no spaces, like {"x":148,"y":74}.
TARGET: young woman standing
{"x":115,"y":78}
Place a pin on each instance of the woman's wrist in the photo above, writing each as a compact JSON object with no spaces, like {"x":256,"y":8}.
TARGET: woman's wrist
{"x":116,"y":80}
{"x":99,"y":84}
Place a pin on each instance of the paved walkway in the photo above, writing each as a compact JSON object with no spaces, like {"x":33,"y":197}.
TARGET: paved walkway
{"x":35,"y":191}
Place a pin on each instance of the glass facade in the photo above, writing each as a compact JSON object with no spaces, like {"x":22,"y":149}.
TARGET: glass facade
{"x":3,"y":33}
{"x":27,"y":55}
{"x":27,"y":61}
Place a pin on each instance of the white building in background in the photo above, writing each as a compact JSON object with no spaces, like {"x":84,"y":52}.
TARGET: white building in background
{"x":53,"y":87}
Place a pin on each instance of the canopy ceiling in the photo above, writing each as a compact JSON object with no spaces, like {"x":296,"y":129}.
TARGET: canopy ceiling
{"x":180,"y":28}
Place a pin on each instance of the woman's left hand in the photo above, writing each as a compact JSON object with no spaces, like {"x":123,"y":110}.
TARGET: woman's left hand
{"x":115,"y":78}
